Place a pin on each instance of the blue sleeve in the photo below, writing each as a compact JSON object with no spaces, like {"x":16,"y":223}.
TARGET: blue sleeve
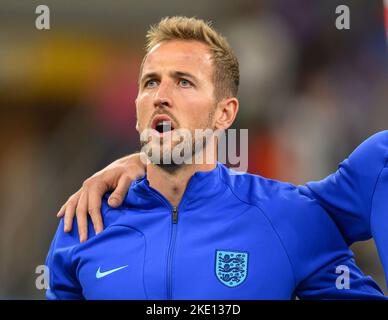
{"x":316,"y":249}
{"x":348,"y":193}
{"x":340,"y":279}
{"x":63,"y":283}
{"x":379,"y":219}
{"x":356,"y":194}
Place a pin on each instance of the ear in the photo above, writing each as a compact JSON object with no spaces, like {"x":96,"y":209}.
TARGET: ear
{"x":137,"y":118}
{"x":226,"y":113}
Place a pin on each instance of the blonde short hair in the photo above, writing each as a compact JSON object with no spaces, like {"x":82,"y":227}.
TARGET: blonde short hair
{"x":226,"y":75}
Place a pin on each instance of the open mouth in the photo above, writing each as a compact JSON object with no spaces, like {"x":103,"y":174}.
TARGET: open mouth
{"x":162,"y":124}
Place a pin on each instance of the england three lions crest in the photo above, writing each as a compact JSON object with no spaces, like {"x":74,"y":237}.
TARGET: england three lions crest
{"x":231,"y":267}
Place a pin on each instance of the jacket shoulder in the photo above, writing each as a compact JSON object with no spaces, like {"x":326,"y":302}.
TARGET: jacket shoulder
{"x":258,"y":190}
{"x":308,"y":234}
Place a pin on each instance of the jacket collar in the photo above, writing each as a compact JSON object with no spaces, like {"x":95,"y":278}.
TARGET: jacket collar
{"x":202,"y":186}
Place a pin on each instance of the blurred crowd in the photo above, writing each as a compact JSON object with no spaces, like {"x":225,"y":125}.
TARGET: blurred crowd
{"x":309,"y":94}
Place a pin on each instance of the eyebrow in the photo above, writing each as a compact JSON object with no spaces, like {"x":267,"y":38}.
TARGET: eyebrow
{"x":173,"y":74}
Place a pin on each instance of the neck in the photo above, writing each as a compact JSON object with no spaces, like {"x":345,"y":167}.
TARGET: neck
{"x":171,"y":182}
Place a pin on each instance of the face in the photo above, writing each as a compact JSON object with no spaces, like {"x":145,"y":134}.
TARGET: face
{"x":176,"y":91}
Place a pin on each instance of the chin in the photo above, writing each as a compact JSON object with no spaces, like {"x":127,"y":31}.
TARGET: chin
{"x":161,"y":152}
{"x":160,"y":155}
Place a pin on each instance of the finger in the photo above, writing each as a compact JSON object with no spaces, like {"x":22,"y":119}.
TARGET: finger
{"x":117,"y":196}
{"x":82,"y":213}
{"x":69,"y":210}
{"x":94,"y":208}
{"x":69,"y":214}
{"x":61,"y":212}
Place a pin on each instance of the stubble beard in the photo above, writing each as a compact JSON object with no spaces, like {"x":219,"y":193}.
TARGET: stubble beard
{"x":166,"y":151}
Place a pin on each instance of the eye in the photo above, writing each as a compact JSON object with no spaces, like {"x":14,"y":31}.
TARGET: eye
{"x":185,"y":83}
{"x":151,"y":83}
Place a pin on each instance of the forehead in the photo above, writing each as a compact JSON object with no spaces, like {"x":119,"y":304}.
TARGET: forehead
{"x":179,"y":55}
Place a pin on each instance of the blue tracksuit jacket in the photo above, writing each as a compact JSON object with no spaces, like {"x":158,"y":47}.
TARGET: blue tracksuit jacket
{"x":231,"y":237}
{"x":356,"y":195}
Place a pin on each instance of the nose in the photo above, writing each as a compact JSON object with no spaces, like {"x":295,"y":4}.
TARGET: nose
{"x":163,"y":96}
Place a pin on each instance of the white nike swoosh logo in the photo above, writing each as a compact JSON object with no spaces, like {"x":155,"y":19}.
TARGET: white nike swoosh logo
{"x":100,"y":274}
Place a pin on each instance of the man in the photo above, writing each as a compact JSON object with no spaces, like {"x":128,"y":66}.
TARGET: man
{"x":195,"y":230}
{"x":355,"y":195}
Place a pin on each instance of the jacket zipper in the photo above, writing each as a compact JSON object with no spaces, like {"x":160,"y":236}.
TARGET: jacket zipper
{"x":171,"y":251}
{"x":171,"y":248}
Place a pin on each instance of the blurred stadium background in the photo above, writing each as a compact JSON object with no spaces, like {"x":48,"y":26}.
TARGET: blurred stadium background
{"x":309,"y":95}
